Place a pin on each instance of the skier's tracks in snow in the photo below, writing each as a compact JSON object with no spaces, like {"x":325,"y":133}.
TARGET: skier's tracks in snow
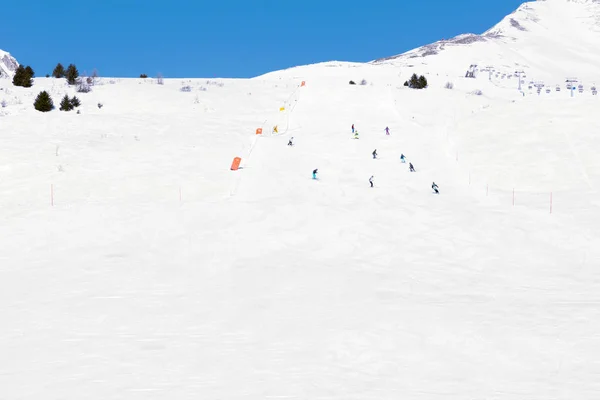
{"x":579,"y":162}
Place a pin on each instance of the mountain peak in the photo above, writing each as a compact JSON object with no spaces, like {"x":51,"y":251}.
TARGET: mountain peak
{"x":549,"y":38}
{"x":8,"y":65}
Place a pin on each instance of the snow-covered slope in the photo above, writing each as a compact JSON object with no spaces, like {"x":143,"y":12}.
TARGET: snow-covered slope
{"x":8,"y":65}
{"x":546,"y":39}
{"x":134,"y":264}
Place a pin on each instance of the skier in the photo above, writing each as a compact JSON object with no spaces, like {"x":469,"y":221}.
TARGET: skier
{"x":375,"y":154}
{"x":387,"y":131}
{"x":352,"y":128}
{"x":402,"y":158}
{"x":315,"y":173}
{"x":371,"y":180}
{"x":411,"y":168}
{"x":435,"y":188}
{"x":290,"y":142}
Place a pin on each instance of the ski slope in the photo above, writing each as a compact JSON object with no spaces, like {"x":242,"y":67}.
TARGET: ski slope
{"x":135,"y":265}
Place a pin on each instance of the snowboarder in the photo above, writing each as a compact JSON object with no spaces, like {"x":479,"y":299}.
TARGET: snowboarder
{"x":402,"y":158}
{"x":411,"y":168}
{"x":291,"y":141}
{"x":352,"y":128}
{"x":387,"y":131}
{"x":315,"y":173}
{"x":371,"y":180}
{"x":435,"y":188}
{"x":375,"y":154}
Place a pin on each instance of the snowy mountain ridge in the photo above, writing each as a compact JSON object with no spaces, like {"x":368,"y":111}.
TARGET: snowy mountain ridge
{"x":547,"y":38}
{"x":8,"y":65}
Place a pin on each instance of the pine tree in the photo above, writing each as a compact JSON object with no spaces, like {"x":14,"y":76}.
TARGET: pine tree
{"x":23,"y":76}
{"x":413,"y":82}
{"x":19,"y":74}
{"x":29,"y":71}
{"x":75,"y":102}
{"x":65,"y":104}
{"x":72,"y":74}
{"x":422,"y":82}
{"x":59,"y":71}
{"x":43,"y":102}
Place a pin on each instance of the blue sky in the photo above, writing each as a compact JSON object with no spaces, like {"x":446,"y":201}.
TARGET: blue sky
{"x":229,"y":38}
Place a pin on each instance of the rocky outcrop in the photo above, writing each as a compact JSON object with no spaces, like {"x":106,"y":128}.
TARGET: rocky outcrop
{"x":8,"y":65}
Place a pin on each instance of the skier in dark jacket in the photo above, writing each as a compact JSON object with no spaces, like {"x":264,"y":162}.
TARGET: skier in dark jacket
{"x":315,"y":173}
{"x":411,"y":168}
{"x":371,"y":180}
{"x":435,"y":188}
{"x":290,"y":142}
{"x":375,"y":153}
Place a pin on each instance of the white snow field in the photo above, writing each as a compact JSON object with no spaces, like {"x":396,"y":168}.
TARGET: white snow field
{"x":134,"y":264}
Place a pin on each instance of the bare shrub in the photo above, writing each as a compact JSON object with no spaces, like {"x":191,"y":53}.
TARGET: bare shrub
{"x":160,"y":79}
{"x":83,"y":85}
{"x":94,"y":77}
{"x":3,"y":103}
{"x":449,"y":85}
{"x":186,"y":88}
{"x":216,"y":83}
{"x":477,"y":92}
{"x":363,"y":82}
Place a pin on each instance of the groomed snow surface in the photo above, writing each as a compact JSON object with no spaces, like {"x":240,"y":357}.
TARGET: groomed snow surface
{"x":158,"y":273}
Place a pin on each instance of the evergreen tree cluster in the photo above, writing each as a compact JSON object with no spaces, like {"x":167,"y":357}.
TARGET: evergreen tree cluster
{"x":43,"y":102}
{"x":71,"y":73}
{"x":68,"y":104}
{"x":23,"y":76}
{"x":416,"y":82}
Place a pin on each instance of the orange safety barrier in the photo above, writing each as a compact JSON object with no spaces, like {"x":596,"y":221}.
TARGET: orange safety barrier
{"x":303,"y":83}
{"x":235,"y":165}
{"x":259,"y":131}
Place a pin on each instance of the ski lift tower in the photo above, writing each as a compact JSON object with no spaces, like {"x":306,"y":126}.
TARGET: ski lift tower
{"x":571,"y":84}
{"x":490,"y":70}
{"x":518,"y":73}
